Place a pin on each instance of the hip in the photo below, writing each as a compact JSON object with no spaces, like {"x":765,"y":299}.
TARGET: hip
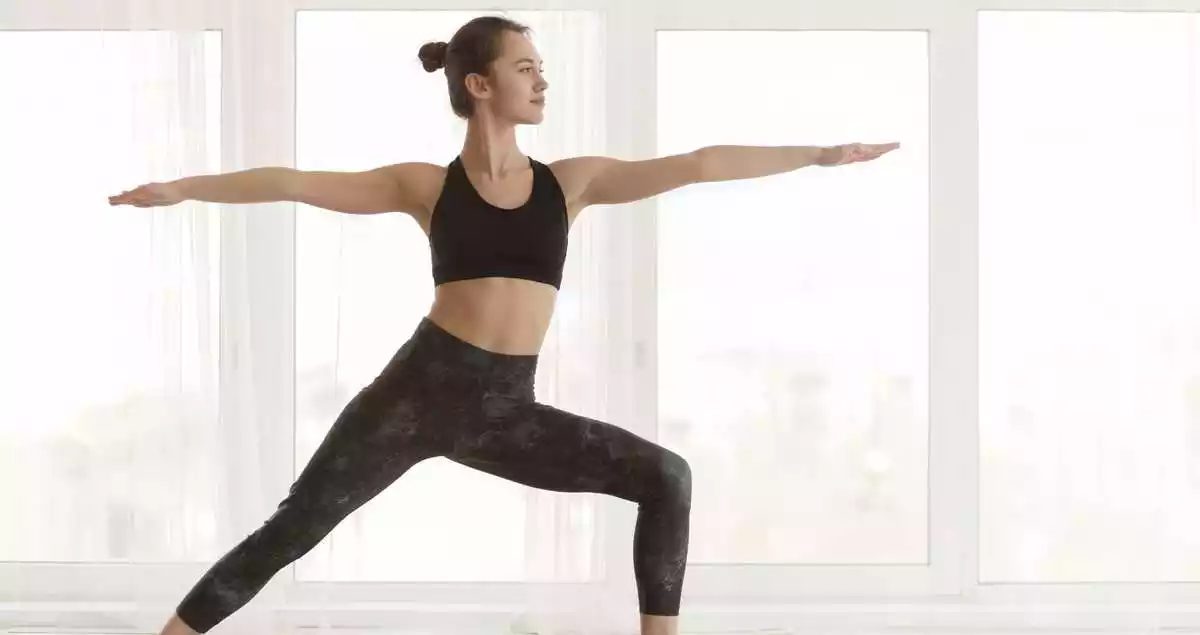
{"x":437,"y":365}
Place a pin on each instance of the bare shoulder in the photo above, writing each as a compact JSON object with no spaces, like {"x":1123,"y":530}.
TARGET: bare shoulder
{"x":573,"y":174}
{"x":420,"y":182}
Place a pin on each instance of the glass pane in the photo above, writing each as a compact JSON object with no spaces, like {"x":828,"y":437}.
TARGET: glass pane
{"x":110,"y":324}
{"x":364,"y":281}
{"x":1090,"y":324}
{"x":793,"y":308}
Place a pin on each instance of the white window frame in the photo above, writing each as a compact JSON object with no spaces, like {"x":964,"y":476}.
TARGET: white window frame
{"x":943,"y":593}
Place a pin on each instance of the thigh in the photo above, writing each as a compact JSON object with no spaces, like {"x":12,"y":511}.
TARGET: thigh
{"x":548,"y":448}
{"x":379,"y":435}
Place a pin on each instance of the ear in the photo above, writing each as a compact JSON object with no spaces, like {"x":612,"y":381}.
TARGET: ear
{"x":477,"y":86}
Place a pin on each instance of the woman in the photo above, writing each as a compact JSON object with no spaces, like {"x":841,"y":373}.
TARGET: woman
{"x":462,"y":386}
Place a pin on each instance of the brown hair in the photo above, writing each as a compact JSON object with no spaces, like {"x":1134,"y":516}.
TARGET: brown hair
{"x":472,"y":50}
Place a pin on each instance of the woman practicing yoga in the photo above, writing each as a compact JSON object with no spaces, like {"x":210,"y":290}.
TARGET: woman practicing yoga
{"x":461,"y":387}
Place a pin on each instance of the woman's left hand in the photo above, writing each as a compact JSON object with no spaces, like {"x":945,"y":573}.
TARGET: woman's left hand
{"x":854,"y":153}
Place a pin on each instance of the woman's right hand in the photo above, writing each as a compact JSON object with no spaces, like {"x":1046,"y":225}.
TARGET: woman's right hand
{"x":149,"y":195}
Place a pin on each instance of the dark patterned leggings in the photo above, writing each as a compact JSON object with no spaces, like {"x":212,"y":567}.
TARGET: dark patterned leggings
{"x":442,"y":396}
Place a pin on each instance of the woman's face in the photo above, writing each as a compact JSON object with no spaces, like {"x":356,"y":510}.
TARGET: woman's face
{"x":516,"y":90}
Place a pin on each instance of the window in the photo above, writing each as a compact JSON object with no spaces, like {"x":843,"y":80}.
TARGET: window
{"x":792,"y":317}
{"x":1089,"y":324}
{"x":110,"y":324}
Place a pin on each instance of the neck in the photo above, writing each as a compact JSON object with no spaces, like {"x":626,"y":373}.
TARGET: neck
{"x":491,"y":147}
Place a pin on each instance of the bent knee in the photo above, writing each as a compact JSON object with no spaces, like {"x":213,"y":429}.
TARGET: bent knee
{"x":673,"y":479}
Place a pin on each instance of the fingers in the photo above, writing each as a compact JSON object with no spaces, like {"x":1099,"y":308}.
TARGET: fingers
{"x":857,"y":152}
{"x":869,"y":152}
{"x":885,"y":148}
{"x":121,"y":199}
{"x":116,"y":200}
{"x":137,"y":197}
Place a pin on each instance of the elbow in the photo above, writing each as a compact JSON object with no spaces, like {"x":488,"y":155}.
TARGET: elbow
{"x":287,"y":183}
{"x":702,"y":164}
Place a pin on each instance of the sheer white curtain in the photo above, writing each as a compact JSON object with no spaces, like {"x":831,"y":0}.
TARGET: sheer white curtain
{"x":167,"y":372}
{"x":121,"y":443}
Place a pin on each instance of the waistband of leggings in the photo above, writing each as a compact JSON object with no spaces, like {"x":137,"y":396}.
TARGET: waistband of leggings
{"x":449,"y":346}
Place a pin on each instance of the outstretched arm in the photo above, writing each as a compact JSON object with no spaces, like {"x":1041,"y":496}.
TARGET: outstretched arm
{"x":728,"y":163}
{"x":401,"y":187}
{"x":595,"y":180}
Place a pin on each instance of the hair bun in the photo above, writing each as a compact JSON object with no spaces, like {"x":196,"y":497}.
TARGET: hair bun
{"x":433,"y":55}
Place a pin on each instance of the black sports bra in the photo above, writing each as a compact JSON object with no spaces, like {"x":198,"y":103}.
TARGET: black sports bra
{"x":471,"y":238}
